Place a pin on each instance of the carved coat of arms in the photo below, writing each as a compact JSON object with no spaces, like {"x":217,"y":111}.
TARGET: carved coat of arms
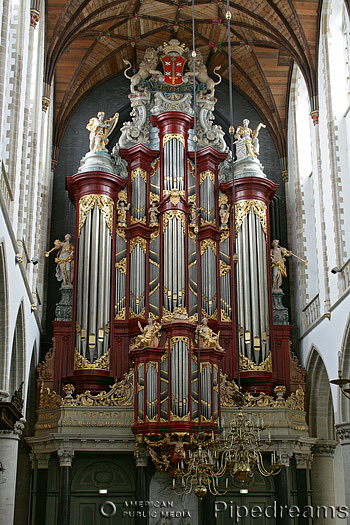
{"x":173,"y":69}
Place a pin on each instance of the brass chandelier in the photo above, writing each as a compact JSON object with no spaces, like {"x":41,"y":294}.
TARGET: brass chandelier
{"x":239,"y":455}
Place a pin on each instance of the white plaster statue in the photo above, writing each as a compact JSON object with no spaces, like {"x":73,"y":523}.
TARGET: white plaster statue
{"x":100,"y":129}
{"x":247,"y":144}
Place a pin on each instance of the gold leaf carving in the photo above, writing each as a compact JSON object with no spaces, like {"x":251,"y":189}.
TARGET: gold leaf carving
{"x":223,"y":199}
{"x":224,"y":268}
{"x":244,"y":207}
{"x":174,"y":195}
{"x":138,"y":240}
{"x":247,"y":364}
{"x":171,"y":214}
{"x":172,"y":136}
{"x":121,"y":266}
{"x":121,"y":314}
{"x":205,"y":174}
{"x":208,"y":243}
{"x":122,"y":196}
{"x":224,"y":316}
{"x":138,"y":171}
{"x":105,"y":204}
{"x":80,"y":362}
{"x":225,"y":235}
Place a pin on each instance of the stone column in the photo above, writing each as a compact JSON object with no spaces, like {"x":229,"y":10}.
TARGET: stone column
{"x":42,"y":460}
{"x":141,"y":458}
{"x":343,"y":432}
{"x":9,"y":450}
{"x":282,"y":488}
{"x":65,"y":458}
{"x":322,"y":479}
{"x":303,"y":465}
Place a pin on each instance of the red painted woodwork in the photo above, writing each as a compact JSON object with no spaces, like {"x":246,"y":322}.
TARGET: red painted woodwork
{"x":173,"y":122}
{"x":251,"y":188}
{"x":208,"y":158}
{"x":94,"y":182}
{"x":64,"y":356}
{"x":89,"y":379}
{"x":280,"y":357}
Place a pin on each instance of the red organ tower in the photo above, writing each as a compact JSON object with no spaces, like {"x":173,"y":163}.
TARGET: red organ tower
{"x":155,"y":286}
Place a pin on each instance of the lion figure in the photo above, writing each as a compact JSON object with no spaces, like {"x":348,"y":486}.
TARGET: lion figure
{"x":146,"y":69}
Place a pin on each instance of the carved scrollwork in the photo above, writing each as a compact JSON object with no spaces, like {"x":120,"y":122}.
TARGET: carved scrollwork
{"x":244,"y":207}
{"x":105,"y":204}
{"x":247,"y":364}
{"x":102,"y":363}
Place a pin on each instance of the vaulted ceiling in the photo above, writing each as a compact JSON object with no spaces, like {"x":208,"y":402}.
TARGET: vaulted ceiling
{"x":87,"y":40}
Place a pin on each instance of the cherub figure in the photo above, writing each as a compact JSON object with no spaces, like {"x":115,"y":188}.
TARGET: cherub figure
{"x":122,"y":209}
{"x":149,"y":335}
{"x":224,"y":214}
{"x":100,"y":129}
{"x":153,"y":213}
{"x":207,"y":337}
{"x":64,"y":259}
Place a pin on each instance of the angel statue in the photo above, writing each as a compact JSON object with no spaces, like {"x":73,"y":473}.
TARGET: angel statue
{"x":278,"y":256}
{"x":64,"y":260}
{"x":100,"y":129}
{"x":121,"y":213}
{"x":247,"y":144}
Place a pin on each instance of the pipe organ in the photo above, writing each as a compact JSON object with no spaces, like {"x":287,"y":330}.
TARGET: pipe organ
{"x":155,"y":258}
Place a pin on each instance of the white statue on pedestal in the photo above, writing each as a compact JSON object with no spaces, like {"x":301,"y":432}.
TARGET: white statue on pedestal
{"x":247,"y":143}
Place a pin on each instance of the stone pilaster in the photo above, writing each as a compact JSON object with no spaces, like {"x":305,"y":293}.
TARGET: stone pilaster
{"x":322,"y":478}
{"x":343,"y":431}
{"x":9,"y":451}
{"x":141,"y":459}
{"x":42,"y":464}
{"x":65,"y":458}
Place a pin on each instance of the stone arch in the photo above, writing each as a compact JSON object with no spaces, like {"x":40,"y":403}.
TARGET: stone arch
{"x":319,"y":399}
{"x":3,"y":318}
{"x":17,"y":366}
{"x":92,"y":474}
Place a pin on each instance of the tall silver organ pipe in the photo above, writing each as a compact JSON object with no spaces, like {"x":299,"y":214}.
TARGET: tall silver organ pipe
{"x":253,"y":312}
{"x":174,"y":264}
{"x":93,"y":284}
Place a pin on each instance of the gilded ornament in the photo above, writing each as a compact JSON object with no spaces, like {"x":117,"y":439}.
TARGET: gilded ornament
{"x":105,"y":204}
{"x":121,"y":233}
{"x":173,"y":214}
{"x":224,"y":268}
{"x":244,"y":207}
{"x":175,"y":195}
{"x":224,"y":316}
{"x":138,"y":240}
{"x":224,"y":235}
{"x":208,"y":243}
{"x":132,"y":314}
{"x":120,"y":315}
{"x":122,"y":196}
{"x":205,"y":174}
{"x":172,"y":136}
{"x":175,"y":340}
{"x":192,"y":198}
{"x":48,"y":399}
{"x":247,"y":364}
{"x":223,"y":199}
{"x":138,"y":171}
{"x":121,"y":266}
{"x":80,"y":362}
{"x":153,"y":197}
